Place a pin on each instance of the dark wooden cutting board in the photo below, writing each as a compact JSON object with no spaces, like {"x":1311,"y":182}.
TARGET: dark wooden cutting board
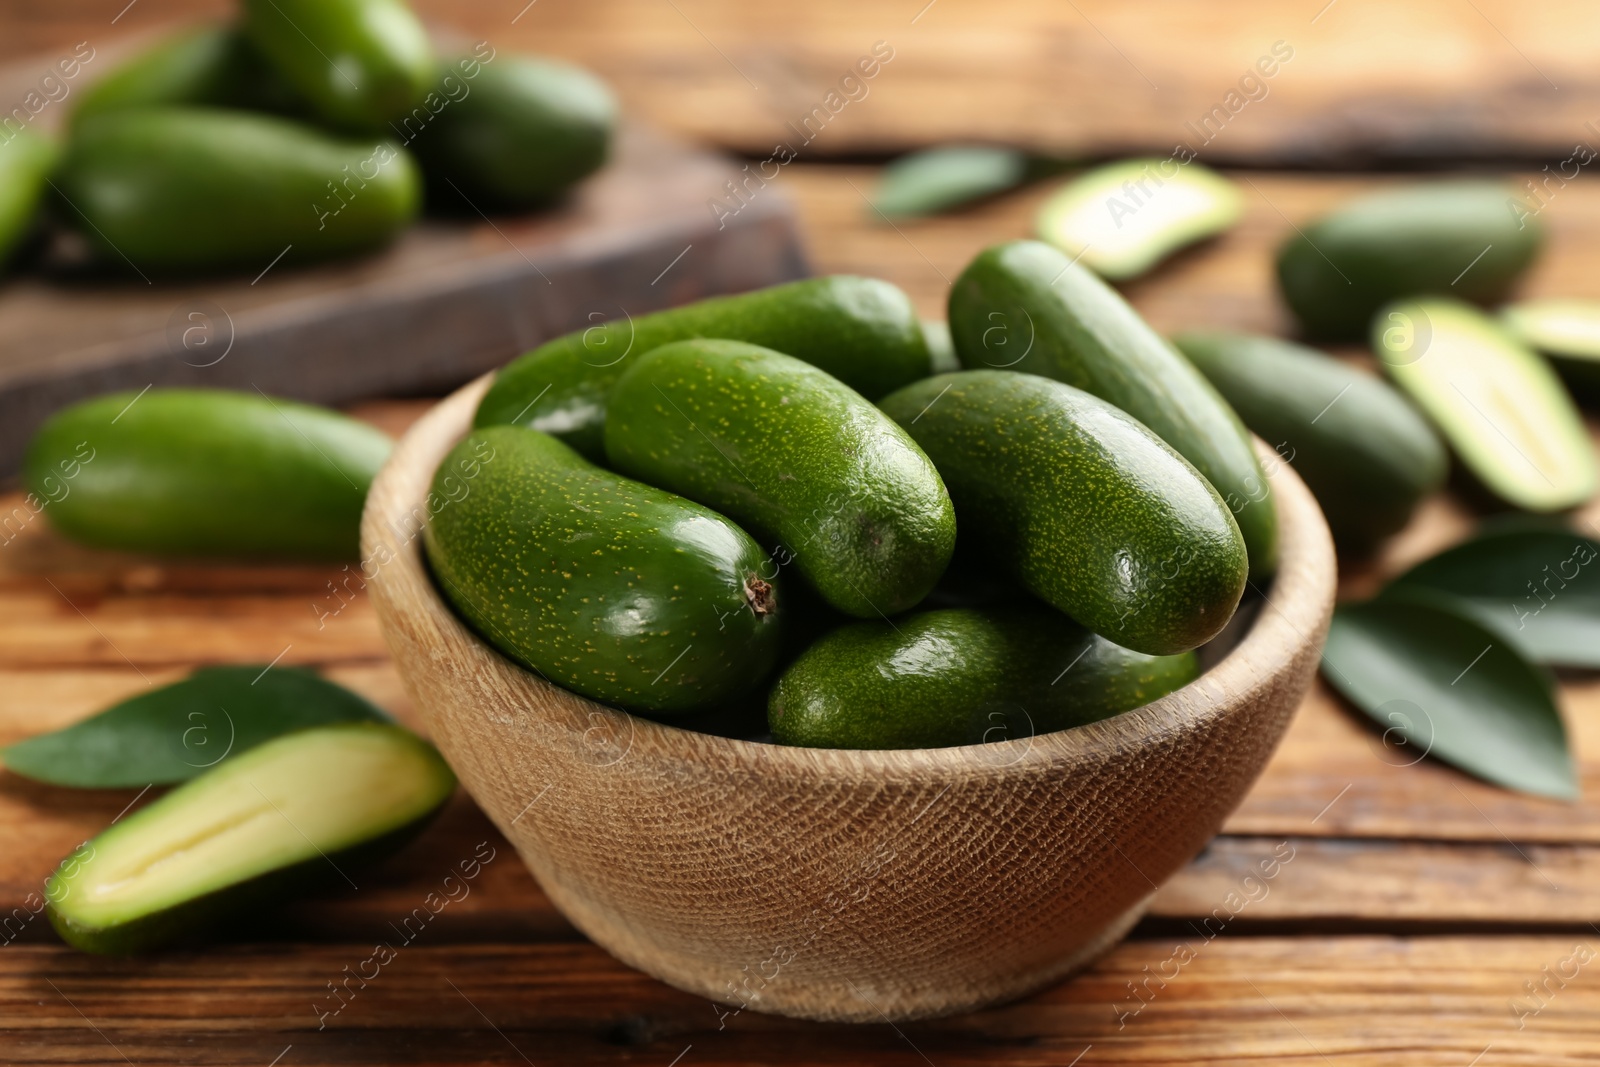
{"x":451,"y":299}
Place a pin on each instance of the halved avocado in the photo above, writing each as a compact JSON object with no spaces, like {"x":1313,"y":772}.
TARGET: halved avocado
{"x":1568,"y":331}
{"x":307,"y":808}
{"x":1123,"y":219}
{"x":1502,"y":408}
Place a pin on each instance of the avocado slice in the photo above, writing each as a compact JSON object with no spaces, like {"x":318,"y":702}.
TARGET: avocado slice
{"x":1567,"y":331}
{"x":1496,"y":401}
{"x":302,"y":810}
{"x":1122,"y":219}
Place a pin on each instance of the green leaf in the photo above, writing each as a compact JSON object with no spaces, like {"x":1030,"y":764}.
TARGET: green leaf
{"x":179,"y":731}
{"x":924,"y":183}
{"x":1453,"y":689}
{"x":1538,"y":588}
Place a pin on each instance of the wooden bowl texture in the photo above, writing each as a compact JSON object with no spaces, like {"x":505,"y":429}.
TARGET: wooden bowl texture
{"x":840,"y":885}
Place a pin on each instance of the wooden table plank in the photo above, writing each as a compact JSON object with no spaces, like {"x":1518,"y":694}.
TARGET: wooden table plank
{"x":1418,"y":80}
{"x":1347,"y":1001}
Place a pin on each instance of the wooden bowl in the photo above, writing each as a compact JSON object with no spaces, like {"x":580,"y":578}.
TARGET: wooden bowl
{"x":840,"y":885}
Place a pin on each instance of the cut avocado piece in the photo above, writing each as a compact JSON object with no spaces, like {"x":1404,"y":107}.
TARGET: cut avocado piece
{"x":1568,"y":331}
{"x":1499,"y":404}
{"x":302,"y":810}
{"x":1122,"y":219}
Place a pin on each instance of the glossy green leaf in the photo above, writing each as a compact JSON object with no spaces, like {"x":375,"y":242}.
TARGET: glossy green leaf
{"x":178,"y":731}
{"x":1537,"y":588}
{"x":1450,"y":688}
{"x":925,"y":183}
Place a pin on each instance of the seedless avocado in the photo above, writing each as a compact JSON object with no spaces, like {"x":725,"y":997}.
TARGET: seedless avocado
{"x":25,"y":163}
{"x":1497,"y":402}
{"x":206,"y":472}
{"x":1025,"y":306}
{"x":962,"y":677}
{"x":176,"y":189}
{"x":361,"y":63}
{"x":206,"y":66}
{"x":863,"y":331}
{"x":526,"y":129}
{"x":1363,"y":450}
{"x":1463,"y":238}
{"x":795,"y":455}
{"x":611,"y":588}
{"x":303,"y":810}
{"x":1082,"y":504}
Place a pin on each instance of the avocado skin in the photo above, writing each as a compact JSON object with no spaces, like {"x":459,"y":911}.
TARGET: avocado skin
{"x":360,"y":63}
{"x":1338,"y":271}
{"x":206,"y":472}
{"x":1082,"y":504}
{"x":1367,"y":455}
{"x":526,"y":129}
{"x":1075,"y":328}
{"x":805,"y":462}
{"x":189,"y":189}
{"x":863,"y":331}
{"x":606,"y":586}
{"x":25,"y":164}
{"x":962,"y":676}
{"x":208,"y":66}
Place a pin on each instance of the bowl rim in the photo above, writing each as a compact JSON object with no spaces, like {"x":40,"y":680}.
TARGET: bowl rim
{"x":1293,"y":615}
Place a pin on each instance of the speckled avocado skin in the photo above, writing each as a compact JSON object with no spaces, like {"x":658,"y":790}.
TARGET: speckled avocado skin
{"x":803,"y":461}
{"x":1027,"y":307}
{"x":613,"y":589}
{"x":1081,"y":503}
{"x":962,"y":676}
{"x":863,"y":331}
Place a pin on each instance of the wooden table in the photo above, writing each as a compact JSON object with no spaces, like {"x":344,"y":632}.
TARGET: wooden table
{"x":1422,"y":917}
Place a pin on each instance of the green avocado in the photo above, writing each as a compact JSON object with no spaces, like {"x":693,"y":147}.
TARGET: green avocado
{"x":518,"y":133}
{"x":206,"y":472}
{"x":962,"y":676}
{"x":1462,"y":238}
{"x":863,"y":331}
{"x":805,"y":462}
{"x":25,"y":162}
{"x":1082,"y":504}
{"x":1499,"y":403}
{"x":187,"y":189}
{"x":307,"y":809}
{"x":1363,"y":450}
{"x":361,"y":64}
{"x":206,"y":66}
{"x":1024,"y":306}
{"x":611,"y":588}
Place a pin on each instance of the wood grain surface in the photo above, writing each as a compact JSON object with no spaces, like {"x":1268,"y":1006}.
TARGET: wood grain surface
{"x":1418,"y":81}
{"x":1417,"y":911}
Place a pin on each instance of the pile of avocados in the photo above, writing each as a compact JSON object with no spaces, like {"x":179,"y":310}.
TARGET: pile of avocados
{"x":771,"y":502}
{"x":309,"y":129}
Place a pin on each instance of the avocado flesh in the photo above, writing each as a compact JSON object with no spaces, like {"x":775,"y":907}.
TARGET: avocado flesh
{"x":1499,"y":404}
{"x":309,"y":796}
